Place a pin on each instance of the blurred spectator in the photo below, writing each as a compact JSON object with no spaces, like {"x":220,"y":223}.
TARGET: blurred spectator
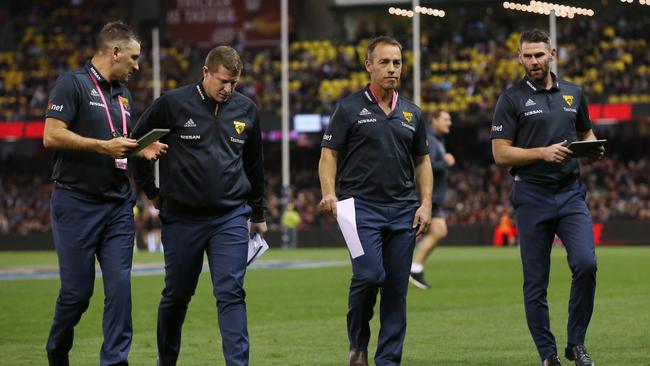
{"x":290,"y":222}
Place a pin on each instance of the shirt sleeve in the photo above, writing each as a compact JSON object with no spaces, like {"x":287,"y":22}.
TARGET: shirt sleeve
{"x":583,"y":122}
{"x":504,"y":122}
{"x":156,"y":116}
{"x":419,"y":146}
{"x":63,"y":102}
{"x":438,"y":165}
{"x":336,"y":135}
{"x":254,"y":169}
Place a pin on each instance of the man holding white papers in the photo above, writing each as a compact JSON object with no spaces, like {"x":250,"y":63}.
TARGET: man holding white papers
{"x":374,"y":150}
{"x":211,"y":185}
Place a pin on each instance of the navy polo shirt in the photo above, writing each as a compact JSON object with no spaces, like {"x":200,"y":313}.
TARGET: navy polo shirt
{"x":214,"y":162}
{"x":531,"y":116}
{"x":76,"y":101}
{"x":376,"y":150}
{"x":439,"y":165}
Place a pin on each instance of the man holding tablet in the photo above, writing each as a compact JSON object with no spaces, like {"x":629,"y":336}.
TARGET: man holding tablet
{"x":533,"y":123}
{"x":87,"y":122}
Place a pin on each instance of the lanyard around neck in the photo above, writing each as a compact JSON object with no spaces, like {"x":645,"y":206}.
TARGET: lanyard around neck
{"x":108,"y":113}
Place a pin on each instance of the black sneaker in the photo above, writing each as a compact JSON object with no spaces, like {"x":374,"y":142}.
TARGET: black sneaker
{"x":418,"y":280}
{"x":552,"y":361}
{"x":579,"y":355}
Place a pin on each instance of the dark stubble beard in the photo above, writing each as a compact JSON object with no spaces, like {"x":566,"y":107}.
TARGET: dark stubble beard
{"x":541,"y":79}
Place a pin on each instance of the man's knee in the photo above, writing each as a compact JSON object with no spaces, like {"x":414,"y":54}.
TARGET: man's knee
{"x":177,"y":296}
{"x":371,"y":277}
{"x":77,"y":296}
{"x":584,"y":267}
{"x":438,"y":228}
{"x":233,"y":295}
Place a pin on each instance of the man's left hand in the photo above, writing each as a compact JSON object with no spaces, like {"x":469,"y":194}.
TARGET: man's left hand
{"x":597,"y":153}
{"x":422,"y":219}
{"x":258,"y":227}
{"x":154,"y":151}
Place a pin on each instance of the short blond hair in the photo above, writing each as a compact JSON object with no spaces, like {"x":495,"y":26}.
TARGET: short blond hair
{"x":224,"y":56}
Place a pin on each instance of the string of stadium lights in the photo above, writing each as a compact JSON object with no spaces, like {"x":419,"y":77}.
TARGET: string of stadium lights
{"x":418,"y":9}
{"x":414,"y":13}
{"x":642,"y":2}
{"x":541,"y":7}
{"x":553,"y":11}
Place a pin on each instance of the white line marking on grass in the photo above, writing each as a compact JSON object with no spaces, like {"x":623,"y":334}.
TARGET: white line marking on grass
{"x":159,"y":268}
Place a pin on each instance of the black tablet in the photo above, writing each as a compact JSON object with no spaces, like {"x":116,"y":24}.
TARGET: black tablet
{"x":582,"y":149}
{"x":148,"y":139}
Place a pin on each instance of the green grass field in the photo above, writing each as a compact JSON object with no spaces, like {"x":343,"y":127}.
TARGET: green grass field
{"x":472,"y":316}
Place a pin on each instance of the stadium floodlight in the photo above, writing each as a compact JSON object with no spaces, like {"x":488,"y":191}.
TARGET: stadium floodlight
{"x":415,"y":15}
{"x":553,"y":11}
{"x":418,"y":9}
{"x":541,"y":7}
{"x":642,"y":2}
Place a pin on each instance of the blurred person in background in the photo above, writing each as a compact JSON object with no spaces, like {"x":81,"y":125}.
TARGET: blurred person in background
{"x":533,"y":122}
{"x":290,"y":221}
{"x":87,"y":123}
{"x":441,"y":161}
{"x":150,"y":216}
{"x":374,"y":151}
{"x":211,"y":185}
{"x":505,"y":233}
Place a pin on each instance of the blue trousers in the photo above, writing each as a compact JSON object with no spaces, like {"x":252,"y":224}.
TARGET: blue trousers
{"x":541,"y":213}
{"x":84,"y":228}
{"x":388,"y":239}
{"x":185,"y":241}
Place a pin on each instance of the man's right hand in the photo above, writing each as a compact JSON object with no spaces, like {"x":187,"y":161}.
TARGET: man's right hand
{"x":118,"y":147}
{"x":328,"y":204}
{"x":449,"y":159}
{"x":556,"y":153}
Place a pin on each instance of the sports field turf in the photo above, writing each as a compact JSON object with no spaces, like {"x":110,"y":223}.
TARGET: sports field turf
{"x":472,"y":316}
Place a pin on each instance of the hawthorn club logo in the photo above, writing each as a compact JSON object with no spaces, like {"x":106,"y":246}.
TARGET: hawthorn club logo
{"x":239,"y":127}
{"x":568,"y":99}
{"x":125,"y":102}
{"x":408,"y":116}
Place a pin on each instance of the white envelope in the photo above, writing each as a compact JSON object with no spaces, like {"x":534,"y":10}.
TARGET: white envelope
{"x":347,"y":218}
{"x":256,"y":247}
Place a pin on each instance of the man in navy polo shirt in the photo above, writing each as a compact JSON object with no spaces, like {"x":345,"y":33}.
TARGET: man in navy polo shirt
{"x":211,"y":184}
{"x":87,"y":122}
{"x":533,"y":122}
{"x":374,"y":150}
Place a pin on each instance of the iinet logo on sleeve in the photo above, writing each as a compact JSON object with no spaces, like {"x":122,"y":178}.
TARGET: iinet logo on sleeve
{"x":54,"y":107}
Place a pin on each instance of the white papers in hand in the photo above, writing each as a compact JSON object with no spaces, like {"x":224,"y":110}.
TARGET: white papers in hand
{"x":256,"y":247}
{"x":347,"y":219}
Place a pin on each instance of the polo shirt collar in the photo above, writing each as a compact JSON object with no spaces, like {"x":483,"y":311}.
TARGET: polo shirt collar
{"x":370,"y":97}
{"x":200,"y":91}
{"x":536,"y":88}
{"x":116,"y":86}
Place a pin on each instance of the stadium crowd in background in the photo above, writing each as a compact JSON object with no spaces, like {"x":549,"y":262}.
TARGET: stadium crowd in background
{"x":611,"y":62}
{"x":41,"y":42}
{"x":477,"y":194}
